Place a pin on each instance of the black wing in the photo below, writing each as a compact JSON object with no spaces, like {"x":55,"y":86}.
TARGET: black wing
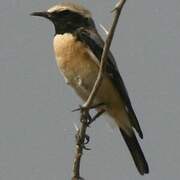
{"x":96,"y":44}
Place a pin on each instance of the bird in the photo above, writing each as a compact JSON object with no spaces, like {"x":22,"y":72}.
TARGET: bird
{"x":78,"y":48}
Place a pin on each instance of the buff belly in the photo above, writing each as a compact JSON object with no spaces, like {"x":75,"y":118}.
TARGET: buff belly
{"x":80,"y":68}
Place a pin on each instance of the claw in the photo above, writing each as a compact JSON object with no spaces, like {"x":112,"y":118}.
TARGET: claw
{"x":87,"y":139}
{"x":85,"y":148}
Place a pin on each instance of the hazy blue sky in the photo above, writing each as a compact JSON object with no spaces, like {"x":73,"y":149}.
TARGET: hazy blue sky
{"x":36,"y":122}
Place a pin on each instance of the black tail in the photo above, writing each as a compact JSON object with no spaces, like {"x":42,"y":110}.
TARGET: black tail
{"x":136,"y":153}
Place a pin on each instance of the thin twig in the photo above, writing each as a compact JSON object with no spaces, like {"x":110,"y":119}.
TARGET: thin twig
{"x":107,"y":45}
{"x":81,"y":135}
{"x":104,"y":29}
{"x":80,"y":141}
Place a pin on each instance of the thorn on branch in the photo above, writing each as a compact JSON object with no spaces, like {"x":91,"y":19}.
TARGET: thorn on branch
{"x":119,"y":5}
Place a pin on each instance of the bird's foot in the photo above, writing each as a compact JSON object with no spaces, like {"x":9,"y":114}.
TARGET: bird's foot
{"x":85,"y":140}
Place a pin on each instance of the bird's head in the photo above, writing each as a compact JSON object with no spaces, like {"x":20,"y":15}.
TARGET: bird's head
{"x":67,"y":17}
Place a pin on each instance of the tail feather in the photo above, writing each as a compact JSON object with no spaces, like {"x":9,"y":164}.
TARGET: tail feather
{"x":136,"y":152}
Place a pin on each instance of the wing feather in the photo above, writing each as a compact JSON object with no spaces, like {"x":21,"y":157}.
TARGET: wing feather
{"x":94,"y":41}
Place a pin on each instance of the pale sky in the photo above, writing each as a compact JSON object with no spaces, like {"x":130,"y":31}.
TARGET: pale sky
{"x":36,"y":122}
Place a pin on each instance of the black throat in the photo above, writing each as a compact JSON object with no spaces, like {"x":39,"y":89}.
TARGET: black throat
{"x":69,"y":22}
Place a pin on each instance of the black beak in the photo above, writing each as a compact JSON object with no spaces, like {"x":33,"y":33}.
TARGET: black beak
{"x":44,"y":14}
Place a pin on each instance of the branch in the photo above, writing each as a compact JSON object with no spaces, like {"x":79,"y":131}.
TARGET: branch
{"x":106,"y":48}
{"x":85,"y":116}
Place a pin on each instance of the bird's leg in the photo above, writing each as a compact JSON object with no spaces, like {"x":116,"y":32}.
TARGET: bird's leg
{"x":82,"y":139}
{"x":91,"y":107}
{"x":86,"y":120}
{"x":97,"y":105}
{"x":98,"y":114}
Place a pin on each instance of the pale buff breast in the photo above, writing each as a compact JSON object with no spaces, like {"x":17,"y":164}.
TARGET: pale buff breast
{"x":80,"y":68}
{"x":76,"y":64}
